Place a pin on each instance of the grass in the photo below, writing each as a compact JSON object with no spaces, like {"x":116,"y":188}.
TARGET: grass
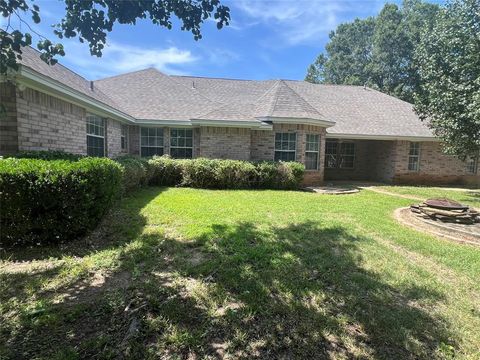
{"x":467,"y":196}
{"x":185,"y":273}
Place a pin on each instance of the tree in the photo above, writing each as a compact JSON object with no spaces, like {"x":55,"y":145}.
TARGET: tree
{"x":449,"y":66}
{"x":91,"y":20}
{"x":349,"y":50}
{"x":377,"y":51}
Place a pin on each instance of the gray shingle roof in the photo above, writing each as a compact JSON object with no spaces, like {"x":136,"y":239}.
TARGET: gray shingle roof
{"x":63,"y":75}
{"x":150,"y":95}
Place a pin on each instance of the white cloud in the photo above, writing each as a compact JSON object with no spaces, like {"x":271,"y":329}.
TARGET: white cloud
{"x":302,"y":21}
{"x":120,"y":58}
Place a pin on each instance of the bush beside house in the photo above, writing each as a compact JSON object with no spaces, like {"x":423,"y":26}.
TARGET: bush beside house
{"x":54,"y":200}
{"x":55,"y":196}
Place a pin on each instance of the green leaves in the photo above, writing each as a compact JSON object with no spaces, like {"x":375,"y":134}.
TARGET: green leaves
{"x":377,"y":51}
{"x":92,"y":20}
{"x":449,"y":65}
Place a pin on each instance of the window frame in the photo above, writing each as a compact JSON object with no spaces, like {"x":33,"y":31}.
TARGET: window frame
{"x":339,"y":155}
{"x":414,"y":156}
{"x":275,"y":150}
{"x":473,"y":160}
{"x":94,"y":135}
{"x":156,"y":128}
{"x":184,"y":147}
{"x":124,"y":138}
{"x":342,"y":156}
{"x":328,"y":154}
{"x":317,"y":151}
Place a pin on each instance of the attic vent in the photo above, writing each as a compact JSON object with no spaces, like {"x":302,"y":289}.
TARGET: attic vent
{"x":91,"y":85}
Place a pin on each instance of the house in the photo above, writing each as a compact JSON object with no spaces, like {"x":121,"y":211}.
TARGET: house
{"x":338,"y":132}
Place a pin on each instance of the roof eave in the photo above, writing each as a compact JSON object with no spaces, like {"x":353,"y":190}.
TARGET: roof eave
{"x":381,"y":137}
{"x":251,"y":124}
{"x":295,"y":120}
{"x":32,"y":79}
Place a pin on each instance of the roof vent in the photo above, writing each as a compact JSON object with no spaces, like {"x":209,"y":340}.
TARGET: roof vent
{"x":91,"y":85}
{"x":365,"y":86}
{"x":193,"y":85}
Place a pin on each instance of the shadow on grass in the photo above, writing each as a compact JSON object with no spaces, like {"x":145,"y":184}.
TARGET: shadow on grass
{"x":298,"y":291}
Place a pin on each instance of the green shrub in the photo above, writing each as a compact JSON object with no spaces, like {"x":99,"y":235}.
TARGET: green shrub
{"x":136,"y":172}
{"x":48,"y":155}
{"x":225,"y":174}
{"x":165,"y":171}
{"x":57,"y":200}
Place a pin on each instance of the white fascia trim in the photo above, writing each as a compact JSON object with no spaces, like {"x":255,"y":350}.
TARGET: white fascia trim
{"x":178,"y":123}
{"x":303,"y":121}
{"x":381,"y":137}
{"x":232,"y":123}
{"x":36,"y":81}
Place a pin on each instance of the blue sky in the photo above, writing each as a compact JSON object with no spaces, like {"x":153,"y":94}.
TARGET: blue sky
{"x":266,"y":40}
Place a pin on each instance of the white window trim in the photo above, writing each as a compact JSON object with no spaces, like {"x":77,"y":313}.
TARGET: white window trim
{"x":98,"y":136}
{"x":311,"y":151}
{"x":289,"y":151}
{"x":140,"y":138}
{"x":180,"y":147}
{"x":416,"y":156}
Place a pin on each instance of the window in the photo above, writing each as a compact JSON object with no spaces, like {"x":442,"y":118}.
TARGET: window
{"x":312,"y":146}
{"x":339,"y":154}
{"x":472,"y":165}
{"x":414,"y":157}
{"x":331,"y":150}
{"x":124,"y":138}
{"x":347,"y":155}
{"x":95,"y":136}
{"x":181,"y":143}
{"x":151,"y":141}
{"x":285,"y":146}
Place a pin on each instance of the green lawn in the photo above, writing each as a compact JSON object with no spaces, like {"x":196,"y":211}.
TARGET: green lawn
{"x":468,"y":196}
{"x":184,"y":273}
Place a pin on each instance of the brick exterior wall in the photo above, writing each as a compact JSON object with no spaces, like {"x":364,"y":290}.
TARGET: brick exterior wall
{"x":262,"y":145}
{"x":48,"y":123}
{"x":225,"y":143}
{"x":8,"y":120}
{"x":44,"y":122}
{"x":435,"y":166}
{"x":114,"y":142}
{"x":134,"y":140}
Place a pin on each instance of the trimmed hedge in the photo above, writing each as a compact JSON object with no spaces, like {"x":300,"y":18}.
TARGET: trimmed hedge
{"x":225,"y":174}
{"x":48,"y":155}
{"x":166,"y":171}
{"x":136,"y":172}
{"x":52,"y":201}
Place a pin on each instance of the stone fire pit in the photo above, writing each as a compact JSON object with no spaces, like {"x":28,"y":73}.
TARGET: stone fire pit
{"x":445,"y":218}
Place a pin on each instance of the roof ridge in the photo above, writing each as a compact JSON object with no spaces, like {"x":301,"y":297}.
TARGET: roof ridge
{"x":303,"y":99}
{"x":216,"y":78}
{"x":129,"y":73}
{"x":274,"y":102}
